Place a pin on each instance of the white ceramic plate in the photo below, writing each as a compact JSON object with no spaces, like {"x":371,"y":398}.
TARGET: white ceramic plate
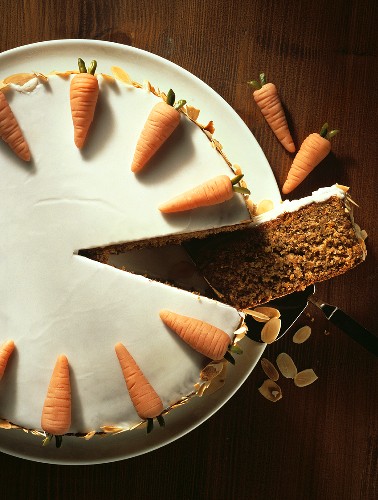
{"x":241,"y":148}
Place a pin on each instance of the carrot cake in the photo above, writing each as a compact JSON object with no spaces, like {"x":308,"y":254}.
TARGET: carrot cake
{"x":58,"y":199}
{"x":286,"y":249}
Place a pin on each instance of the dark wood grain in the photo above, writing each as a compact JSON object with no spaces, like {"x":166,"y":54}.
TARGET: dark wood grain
{"x":318,"y":442}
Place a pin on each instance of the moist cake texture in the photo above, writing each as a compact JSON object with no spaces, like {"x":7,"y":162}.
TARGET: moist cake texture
{"x":283,"y":251}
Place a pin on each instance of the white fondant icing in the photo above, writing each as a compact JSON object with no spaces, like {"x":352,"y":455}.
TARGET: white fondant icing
{"x":317,"y":196}
{"x":27,"y":87}
{"x":55,"y":301}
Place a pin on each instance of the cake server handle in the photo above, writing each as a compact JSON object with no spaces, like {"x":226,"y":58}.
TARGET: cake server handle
{"x":356,"y":331}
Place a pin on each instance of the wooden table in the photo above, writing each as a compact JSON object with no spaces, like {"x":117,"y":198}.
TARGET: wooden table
{"x":320,"y":441}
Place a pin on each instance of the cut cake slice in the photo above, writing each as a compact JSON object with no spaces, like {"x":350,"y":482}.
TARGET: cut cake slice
{"x":296,"y":244}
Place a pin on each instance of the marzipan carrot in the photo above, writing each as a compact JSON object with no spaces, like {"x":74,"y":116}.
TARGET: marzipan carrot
{"x":312,"y":151}
{"x":146,"y":401}
{"x":10,"y":130}
{"x":83,"y":98}
{"x":161,"y":122}
{"x":203,"y":337}
{"x":268,"y":100}
{"x":56,"y":412}
{"x":214,"y":191}
{"x":5,"y":352}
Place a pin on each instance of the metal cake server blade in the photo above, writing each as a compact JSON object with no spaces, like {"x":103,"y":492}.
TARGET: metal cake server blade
{"x":293,"y":305}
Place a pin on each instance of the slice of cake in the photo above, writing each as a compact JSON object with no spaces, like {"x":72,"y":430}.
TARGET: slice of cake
{"x":59,"y":305}
{"x":284,"y":250}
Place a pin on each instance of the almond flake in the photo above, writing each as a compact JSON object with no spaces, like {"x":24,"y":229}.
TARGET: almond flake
{"x":261,"y":318}
{"x":110,"y":429}
{"x":89,"y":435}
{"x":237,"y":169}
{"x":41,"y":76}
{"x":4,"y":424}
{"x":270,"y":330}
{"x":211,"y":371}
{"x":121,"y":75}
{"x":216,"y":383}
{"x":264,"y":206}
{"x":270,"y":390}
{"x":240,"y":333}
{"x":343,"y":188}
{"x":269,"y":369}
{"x":192,"y":112}
{"x":107,"y":78}
{"x":251,"y":207}
{"x":210,"y":127}
{"x":19,"y":78}
{"x":305,"y":377}
{"x":65,"y":74}
{"x":286,"y":365}
{"x":302,"y":335}
{"x":271,"y":312}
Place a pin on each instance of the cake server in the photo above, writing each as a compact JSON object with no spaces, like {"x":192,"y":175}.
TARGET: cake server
{"x":293,"y":305}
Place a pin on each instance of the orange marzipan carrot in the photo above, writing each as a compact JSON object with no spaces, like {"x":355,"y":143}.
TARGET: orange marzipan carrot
{"x":160,"y":124}
{"x":214,"y":191}
{"x":312,"y":151}
{"x":146,"y":401}
{"x":203,"y":337}
{"x":56,"y":412}
{"x":269,"y":102}
{"x":10,"y":131}
{"x":5,"y":352}
{"x":84,"y":92}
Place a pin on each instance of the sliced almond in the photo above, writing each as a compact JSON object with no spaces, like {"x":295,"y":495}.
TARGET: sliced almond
{"x":4,"y":424}
{"x":192,"y":112}
{"x":270,"y":330}
{"x":302,"y":334}
{"x":237,"y":169}
{"x":240,"y":333}
{"x":305,"y":377}
{"x":269,"y":369}
{"x":217,"y":382}
{"x":251,"y":207}
{"x":19,"y":78}
{"x":264,"y":206}
{"x":41,"y":76}
{"x":271,"y":312}
{"x":108,"y":78}
{"x":286,"y":365}
{"x":109,"y":429}
{"x":212,"y":370}
{"x":270,"y":390}
{"x":121,"y":75}
{"x":64,"y":74}
{"x":210,"y":127}
{"x":89,"y":435}
{"x":261,"y":318}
